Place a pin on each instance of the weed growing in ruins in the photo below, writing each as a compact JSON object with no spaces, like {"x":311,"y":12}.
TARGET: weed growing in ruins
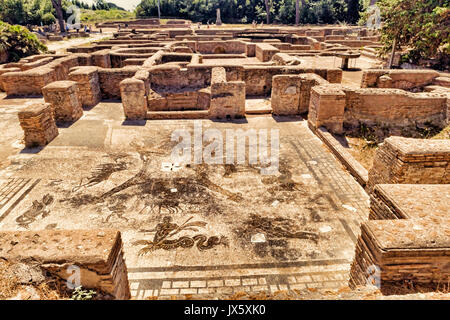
{"x":82,"y":294}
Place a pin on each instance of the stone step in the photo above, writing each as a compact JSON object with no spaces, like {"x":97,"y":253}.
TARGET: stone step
{"x":187,"y":114}
{"x":266,"y":110}
{"x":369,"y":54}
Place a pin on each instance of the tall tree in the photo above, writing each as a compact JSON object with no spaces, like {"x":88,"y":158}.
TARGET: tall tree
{"x":423,"y":27}
{"x":159,"y":9}
{"x":59,"y":13}
{"x":267,"y":10}
{"x":297,"y":10}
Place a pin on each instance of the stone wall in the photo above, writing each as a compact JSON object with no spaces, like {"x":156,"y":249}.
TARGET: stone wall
{"x":291,"y":93}
{"x":392,"y":109}
{"x":6,"y":70}
{"x":220,"y":47}
{"x":410,"y":201}
{"x":96,"y":254}
{"x":102,"y":58}
{"x":134,"y":99}
{"x":31,"y":82}
{"x":413,"y":247}
{"x":258,"y":79}
{"x":410,"y":161}
{"x":399,"y":79}
{"x":109,"y":80}
{"x":227,"y":98}
{"x":27,"y":83}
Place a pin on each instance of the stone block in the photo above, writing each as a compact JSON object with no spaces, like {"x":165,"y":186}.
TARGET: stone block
{"x":64,"y":98}
{"x":88,"y":85}
{"x":285,"y":97}
{"x":38,"y":124}
{"x":95,"y":255}
{"x":227,"y":98}
{"x":264,"y":51}
{"x":327,"y":107}
{"x":134,"y":100}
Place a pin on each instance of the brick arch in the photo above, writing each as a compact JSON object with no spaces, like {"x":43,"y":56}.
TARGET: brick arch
{"x":219,"y":50}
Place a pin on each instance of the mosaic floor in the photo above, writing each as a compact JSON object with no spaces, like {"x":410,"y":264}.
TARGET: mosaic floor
{"x":188,"y":229}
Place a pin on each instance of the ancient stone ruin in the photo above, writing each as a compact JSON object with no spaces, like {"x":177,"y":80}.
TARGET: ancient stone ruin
{"x":103,"y":117}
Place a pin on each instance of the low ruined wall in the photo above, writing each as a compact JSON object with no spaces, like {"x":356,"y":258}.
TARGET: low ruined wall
{"x":217,"y":47}
{"x":410,"y":161}
{"x":64,"y":96}
{"x":88,"y":85}
{"x":353,"y":43}
{"x":258,"y":79}
{"x":27,"y":83}
{"x":38,"y":124}
{"x":394,"y":252}
{"x":97,"y":255}
{"x":174,"y":76}
{"x":399,"y":79}
{"x":326,"y":108}
{"x":31,"y":82}
{"x":6,"y":70}
{"x":102,"y":58}
{"x":394,"y":108}
{"x":387,"y":108}
{"x":109,"y":80}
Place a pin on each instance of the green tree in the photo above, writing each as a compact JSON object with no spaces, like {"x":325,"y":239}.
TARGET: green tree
{"x":421,"y":26}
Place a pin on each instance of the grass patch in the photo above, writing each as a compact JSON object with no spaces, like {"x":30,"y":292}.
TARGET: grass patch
{"x":444,"y":134}
{"x":362,"y":151}
{"x":91,"y":16}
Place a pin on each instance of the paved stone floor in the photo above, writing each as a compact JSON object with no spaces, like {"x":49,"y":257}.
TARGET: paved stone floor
{"x":192,"y":228}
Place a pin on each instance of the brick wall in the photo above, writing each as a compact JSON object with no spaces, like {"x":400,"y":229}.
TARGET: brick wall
{"x":410,"y":161}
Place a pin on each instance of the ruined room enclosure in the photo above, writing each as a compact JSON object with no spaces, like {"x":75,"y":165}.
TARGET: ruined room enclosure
{"x":104,"y":127}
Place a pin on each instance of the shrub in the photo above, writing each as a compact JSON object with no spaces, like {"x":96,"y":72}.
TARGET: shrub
{"x":19,"y":42}
{"x":48,"y":18}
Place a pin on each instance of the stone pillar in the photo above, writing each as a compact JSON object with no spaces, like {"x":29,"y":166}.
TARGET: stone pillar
{"x":285,"y":94}
{"x":102,"y":58}
{"x":64,"y":97}
{"x":88,"y":85}
{"x":327,"y":107}
{"x":134,"y":100}
{"x":227,"y":98}
{"x":38,"y":124}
